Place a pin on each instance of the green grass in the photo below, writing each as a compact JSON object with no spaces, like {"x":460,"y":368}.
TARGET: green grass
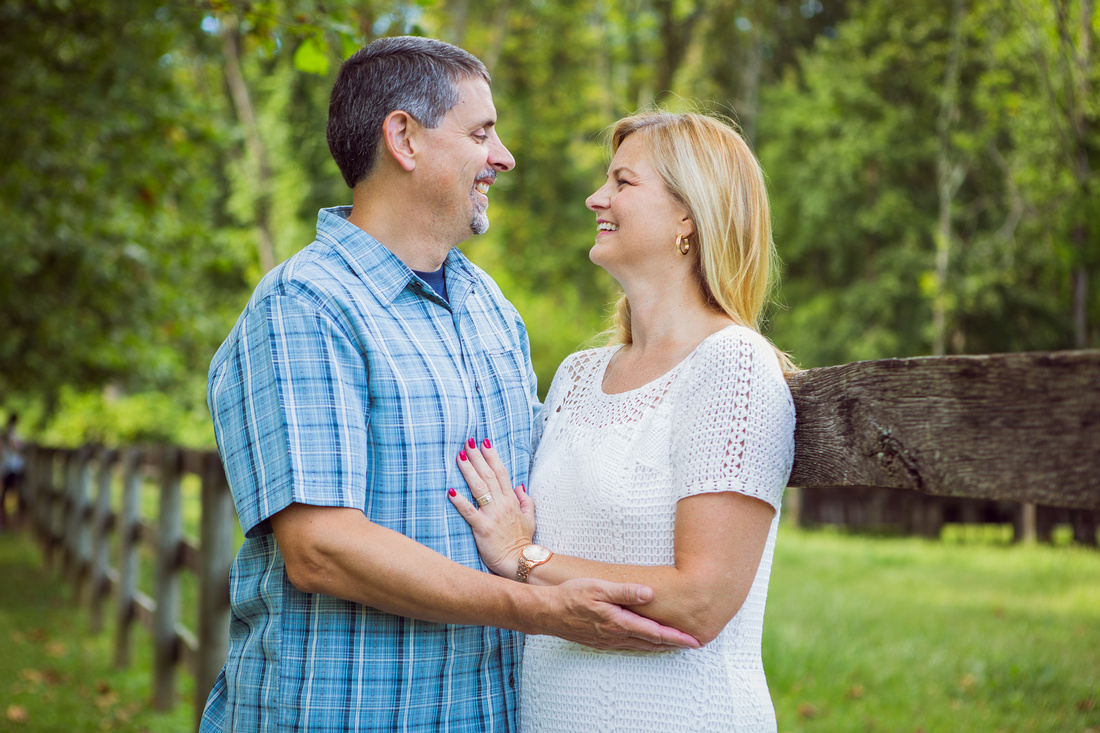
{"x":55,"y":676}
{"x":61,"y":676}
{"x":898,"y":634}
{"x":862,"y":634}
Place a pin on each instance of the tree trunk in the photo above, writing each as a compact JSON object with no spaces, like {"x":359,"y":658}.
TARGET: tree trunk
{"x":675,"y":40}
{"x":242,"y":103}
{"x":949,"y":176}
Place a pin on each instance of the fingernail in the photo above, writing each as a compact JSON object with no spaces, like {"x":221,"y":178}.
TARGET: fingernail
{"x":462,"y":455}
{"x":523,"y":488}
{"x":486,"y":443}
{"x":470,"y":443}
{"x":452,"y":492}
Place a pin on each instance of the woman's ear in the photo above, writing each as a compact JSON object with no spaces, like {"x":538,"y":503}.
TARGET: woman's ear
{"x":687,"y":227}
{"x":397,"y":133}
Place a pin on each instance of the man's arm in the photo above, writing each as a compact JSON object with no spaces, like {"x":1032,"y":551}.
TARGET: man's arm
{"x":341,"y":553}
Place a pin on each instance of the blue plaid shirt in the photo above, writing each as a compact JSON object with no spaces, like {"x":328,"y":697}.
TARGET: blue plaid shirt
{"x":348,"y":382}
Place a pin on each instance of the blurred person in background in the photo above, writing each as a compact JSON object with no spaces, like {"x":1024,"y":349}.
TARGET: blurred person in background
{"x":11,"y":467}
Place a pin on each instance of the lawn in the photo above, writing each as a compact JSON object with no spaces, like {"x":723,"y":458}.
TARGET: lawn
{"x":862,"y":634}
{"x":899,"y":634}
{"x":55,"y":676}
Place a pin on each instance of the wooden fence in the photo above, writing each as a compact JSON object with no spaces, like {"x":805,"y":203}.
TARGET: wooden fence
{"x":81,"y":502}
{"x":1020,"y":428}
{"x":1021,"y":432}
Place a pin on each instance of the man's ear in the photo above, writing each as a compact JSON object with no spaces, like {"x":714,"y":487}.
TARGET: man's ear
{"x":398,"y":130}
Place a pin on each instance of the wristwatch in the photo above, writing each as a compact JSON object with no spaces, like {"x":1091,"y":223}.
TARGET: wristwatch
{"x":529,"y":557}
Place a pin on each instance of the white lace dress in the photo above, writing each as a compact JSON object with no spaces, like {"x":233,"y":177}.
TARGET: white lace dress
{"x":608,"y":472}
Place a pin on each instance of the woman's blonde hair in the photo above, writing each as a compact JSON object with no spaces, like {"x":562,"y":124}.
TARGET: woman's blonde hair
{"x":709,"y":169}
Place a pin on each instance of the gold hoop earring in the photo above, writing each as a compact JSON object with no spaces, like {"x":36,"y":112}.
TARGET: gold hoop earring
{"x":683,"y":244}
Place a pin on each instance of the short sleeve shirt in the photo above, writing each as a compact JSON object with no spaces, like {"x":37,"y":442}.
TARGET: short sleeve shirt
{"x":347,"y":382}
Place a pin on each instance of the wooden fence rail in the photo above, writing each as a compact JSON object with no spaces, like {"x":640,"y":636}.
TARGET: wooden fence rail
{"x":1011,"y":427}
{"x":77,"y":513}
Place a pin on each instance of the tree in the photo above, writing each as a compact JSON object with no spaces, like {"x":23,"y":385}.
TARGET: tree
{"x":105,"y":273}
{"x":900,"y":181}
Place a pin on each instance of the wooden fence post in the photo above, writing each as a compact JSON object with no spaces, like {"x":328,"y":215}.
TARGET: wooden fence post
{"x":83,"y":516}
{"x":101,"y":539}
{"x":36,"y":495}
{"x":76,"y":531}
{"x":169,"y":535}
{"x":65,"y":522}
{"x":128,"y":554}
{"x":216,"y":556}
{"x":1027,"y":530}
{"x":53,"y":508}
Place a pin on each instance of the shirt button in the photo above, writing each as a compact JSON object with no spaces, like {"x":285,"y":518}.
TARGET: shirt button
{"x":477,"y":386}
{"x":511,"y":680}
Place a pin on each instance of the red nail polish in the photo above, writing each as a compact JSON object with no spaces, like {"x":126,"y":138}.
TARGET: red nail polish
{"x":462,"y":455}
{"x":470,"y":443}
{"x":452,"y":492}
{"x":523,"y":488}
{"x":486,"y":443}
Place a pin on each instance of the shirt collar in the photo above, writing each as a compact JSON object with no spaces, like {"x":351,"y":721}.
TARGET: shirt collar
{"x":381,"y":270}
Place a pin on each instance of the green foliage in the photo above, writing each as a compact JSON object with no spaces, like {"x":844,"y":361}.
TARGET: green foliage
{"x":159,"y":158}
{"x":104,"y":200}
{"x":125,"y":419}
{"x":851,"y":146}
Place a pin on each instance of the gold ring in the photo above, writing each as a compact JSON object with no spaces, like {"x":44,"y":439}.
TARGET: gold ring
{"x":483,"y":500}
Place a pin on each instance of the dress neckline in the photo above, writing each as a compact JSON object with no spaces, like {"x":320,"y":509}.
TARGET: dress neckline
{"x":667,"y":376}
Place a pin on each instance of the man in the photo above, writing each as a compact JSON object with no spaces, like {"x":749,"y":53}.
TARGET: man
{"x":339,"y":400}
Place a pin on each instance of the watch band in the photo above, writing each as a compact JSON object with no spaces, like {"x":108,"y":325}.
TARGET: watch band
{"x":531,"y":556}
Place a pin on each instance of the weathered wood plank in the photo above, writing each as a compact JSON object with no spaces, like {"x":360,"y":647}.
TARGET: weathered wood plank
{"x":101,"y":541}
{"x":126,"y":590}
{"x":216,"y":537}
{"x":166,"y":615}
{"x":1021,"y":427}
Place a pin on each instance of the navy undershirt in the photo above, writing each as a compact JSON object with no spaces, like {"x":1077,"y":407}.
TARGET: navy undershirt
{"x":436,"y":280}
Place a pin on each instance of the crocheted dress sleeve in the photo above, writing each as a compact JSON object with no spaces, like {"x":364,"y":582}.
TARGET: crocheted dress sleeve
{"x":733,"y":428}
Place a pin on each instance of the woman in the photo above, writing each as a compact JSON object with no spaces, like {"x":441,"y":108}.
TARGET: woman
{"x":662,"y":459}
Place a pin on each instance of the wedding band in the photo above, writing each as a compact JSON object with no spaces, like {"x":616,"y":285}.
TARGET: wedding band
{"x":483,"y":500}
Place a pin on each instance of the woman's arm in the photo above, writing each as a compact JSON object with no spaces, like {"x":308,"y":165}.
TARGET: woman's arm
{"x":719,"y":541}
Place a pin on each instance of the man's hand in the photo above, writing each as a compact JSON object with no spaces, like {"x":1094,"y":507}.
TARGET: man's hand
{"x":591,"y":612}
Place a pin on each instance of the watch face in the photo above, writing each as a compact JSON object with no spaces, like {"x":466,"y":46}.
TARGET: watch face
{"x":536,"y":553}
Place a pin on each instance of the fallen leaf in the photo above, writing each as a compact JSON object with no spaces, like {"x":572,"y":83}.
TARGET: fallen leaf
{"x":1087,"y":705}
{"x":17,"y":714}
{"x":806,"y":711}
{"x":32,"y":675}
{"x":56,"y":649}
{"x":854,"y":692}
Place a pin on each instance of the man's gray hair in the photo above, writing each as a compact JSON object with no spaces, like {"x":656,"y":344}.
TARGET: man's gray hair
{"x":408,"y":73}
